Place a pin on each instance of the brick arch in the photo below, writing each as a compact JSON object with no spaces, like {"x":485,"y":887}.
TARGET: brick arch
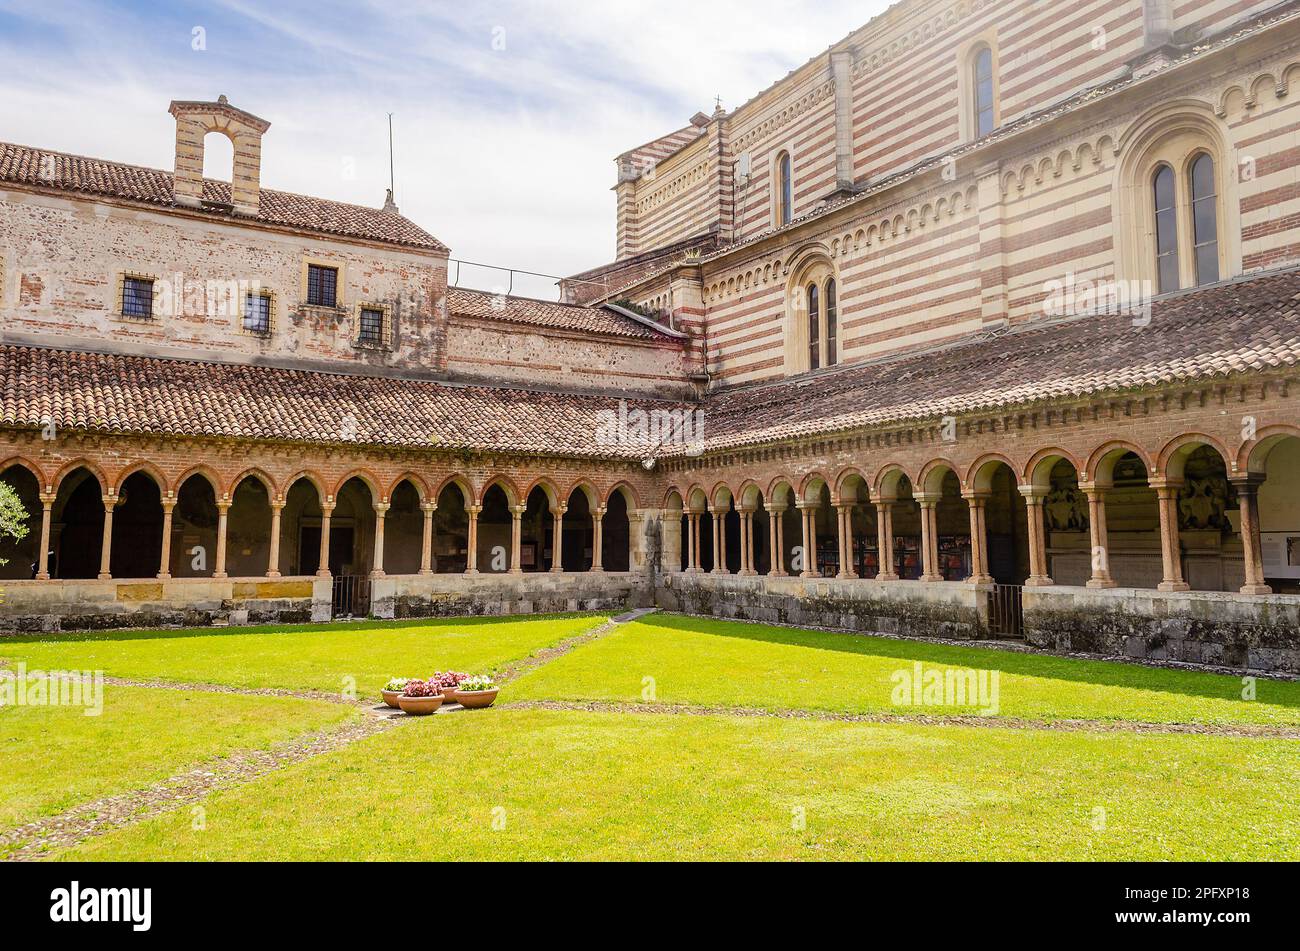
{"x":367,"y":476}
{"x":1038,"y":471}
{"x":691,"y":504}
{"x":587,"y":489}
{"x":24,"y":463}
{"x":505,"y":483}
{"x":630,"y":495}
{"x":1107,"y":454}
{"x":1173,"y":456}
{"x":885,"y":483}
{"x":261,"y":475}
{"x":417,"y":481}
{"x":774,"y":490}
{"x":811,"y":479}
{"x":750,"y":494}
{"x":204,"y":471}
{"x":668,"y":504}
{"x":313,"y":478}
{"x":977,"y":476}
{"x":547,"y":486}
{"x":1253,"y":455}
{"x":715,"y":494}
{"x":149,"y":469}
{"x":841,"y":481}
{"x":930,"y":478}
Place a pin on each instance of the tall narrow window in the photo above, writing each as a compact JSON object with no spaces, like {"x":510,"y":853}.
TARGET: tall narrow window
{"x":1205,"y":220}
{"x":322,"y":285}
{"x":814,"y":328}
{"x":786,"y":200}
{"x":832,"y":315}
{"x":983,"y":92}
{"x":1166,"y":202}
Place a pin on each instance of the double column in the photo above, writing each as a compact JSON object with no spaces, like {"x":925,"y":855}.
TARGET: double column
{"x":979,"y":539}
{"x":747,"y":542}
{"x":776,"y":532}
{"x":808,"y":515}
{"x":1171,"y":553}
{"x":1248,"y":500}
{"x":929,"y":502}
{"x":1040,"y":575}
{"x":885,"y":538}
{"x":377,"y":563}
{"x":844,"y":524}
{"x":1096,"y":495}
{"x":718,"y":516}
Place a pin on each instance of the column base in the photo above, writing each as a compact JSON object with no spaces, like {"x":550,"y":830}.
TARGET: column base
{"x":1102,"y":583}
{"x":749,"y":574}
{"x":596,"y":571}
{"x":471,"y":571}
{"x":1039,"y":583}
{"x":102,"y":576}
{"x":220,"y":577}
{"x":377,"y":574}
{"x":1173,"y":586}
{"x":162,"y":576}
{"x":274,"y":574}
{"x":42,"y":576}
{"x":515,"y":571}
{"x":846,"y":576}
{"x":982,"y":580}
{"x":810,"y":574}
{"x":557,"y":571}
{"x":426,"y":572}
{"x":324,"y":573}
{"x":930,"y":579}
{"x":1256,"y":589}
{"x":886,"y":577}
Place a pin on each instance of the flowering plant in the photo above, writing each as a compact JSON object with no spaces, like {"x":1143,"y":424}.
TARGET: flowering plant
{"x":450,"y":679}
{"x":397,"y":684}
{"x":477,"y":683}
{"x":421,"y":688}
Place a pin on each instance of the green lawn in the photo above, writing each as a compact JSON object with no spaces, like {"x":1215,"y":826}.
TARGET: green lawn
{"x":301,"y":658}
{"x":56,"y":757}
{"x":718,"y":663}
{"x":567,"y":785}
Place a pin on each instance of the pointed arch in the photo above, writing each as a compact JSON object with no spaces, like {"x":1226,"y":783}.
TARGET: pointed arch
{"x":548,"y":487}
{"x":467,"y":494}
{"x":629,"y":492}
{"x":587,"y":489}
{"x":25,"y":463}
{"x":505,"y":484}
{"x":146,"y":467}
{"x":261,"y":475}
{"x":366,"y":476}
{"x":417,"y":481}
{"x":206,"y":472}
{"x":96,"y":473}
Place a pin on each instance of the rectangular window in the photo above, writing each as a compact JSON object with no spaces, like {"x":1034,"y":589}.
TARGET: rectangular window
{"x":257,"y":314}
{"x":322,"y":285}
{"x":137,"y":297}
{"x":372,"y":327}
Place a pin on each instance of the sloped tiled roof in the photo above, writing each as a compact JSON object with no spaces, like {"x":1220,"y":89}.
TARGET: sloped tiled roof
{"x":523,"y":310}
{"x":131,"y":394}
{"x":1248,"y":325}
{"x":1251,"y":324}
{"x":41,"y":168}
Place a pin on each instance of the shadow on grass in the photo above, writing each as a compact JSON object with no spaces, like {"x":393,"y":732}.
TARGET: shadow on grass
{"x":330,"y":627}
{"x":1102,"y":673}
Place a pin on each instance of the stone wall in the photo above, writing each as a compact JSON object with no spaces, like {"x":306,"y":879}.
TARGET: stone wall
{"x":534,"y":593}
{"x":1251,"y":633}
{"x":944,"y":609}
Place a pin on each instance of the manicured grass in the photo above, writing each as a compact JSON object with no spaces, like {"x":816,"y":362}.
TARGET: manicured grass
{"x":56,"y":757}
{"x":568,"y":785}
{"x":719,"y":663}
{"x":328,"y":658}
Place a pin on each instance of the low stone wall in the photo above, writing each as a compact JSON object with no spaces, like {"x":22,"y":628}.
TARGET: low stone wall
{"x":200,"y":602}
{"x":939,"y":609}
{"x":501,"y":594}
{"x":186,"y":602}
{"x":1229,"y":630}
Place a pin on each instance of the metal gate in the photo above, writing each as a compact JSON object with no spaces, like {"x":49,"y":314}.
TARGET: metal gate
{"x":351,"y":596}
{"x":1007,"y":611}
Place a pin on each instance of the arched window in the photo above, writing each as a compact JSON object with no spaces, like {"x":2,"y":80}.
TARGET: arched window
{"x":1205,"y":220}
{"x":785,"y":199}
{"x":814,"y":330}
{"x":832,"y":318}
{"x":1166,"y":205}
{"x":984,"y":111}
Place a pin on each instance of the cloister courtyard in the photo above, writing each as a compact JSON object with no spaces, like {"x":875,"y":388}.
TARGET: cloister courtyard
{"x":649,"y":736}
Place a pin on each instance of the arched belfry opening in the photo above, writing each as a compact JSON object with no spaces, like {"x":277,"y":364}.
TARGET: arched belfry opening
{"x":194,"y":122}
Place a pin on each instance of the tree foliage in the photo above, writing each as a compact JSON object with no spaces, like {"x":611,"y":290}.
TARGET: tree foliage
{"x":13,"y":517}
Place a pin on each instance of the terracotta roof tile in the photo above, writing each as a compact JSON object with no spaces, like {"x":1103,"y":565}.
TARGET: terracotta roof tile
{"x":45,"y":169}
{"x":523,"y":310}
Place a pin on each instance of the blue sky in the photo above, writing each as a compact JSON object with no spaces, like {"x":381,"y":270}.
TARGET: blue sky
{"x":508,"y":114}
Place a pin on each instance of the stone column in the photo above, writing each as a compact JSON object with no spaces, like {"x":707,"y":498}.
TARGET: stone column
{"x":719,"y":517}
{"x":848,"y":570}
{"x":808,"y":511}
{"x":43,"y":559}
{"x":598,"y":539}
{"x":885,"y":539}
{"x":273,"y":559}
{"x":557,"y":539}
{"x":692,"y":542}
{"x":165,"y":559}
{"x":1101,"y":577}
{"x":426,"y":543}
{"x":323,"y":570}
{"x":1040,"y":575}
{"x":776,"y":531}
{"x":106,"y":546}
{"x":747,"y":566}
{"x":471,"y":543}
{"x":929,"y":536}
{"x":1248,"y":497}
{"x":516,"y":537}
{"x":381,"y":517}
{"x":1170,"y":549}
{"x":979,"y":542}
{"x":223,"y":524}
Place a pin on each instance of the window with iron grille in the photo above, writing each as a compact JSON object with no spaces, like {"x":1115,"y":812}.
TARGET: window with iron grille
{"x":322,"y":285}
{"x":372,"y":329}
{"x":137,"y":297}
{"x":257,"y":314}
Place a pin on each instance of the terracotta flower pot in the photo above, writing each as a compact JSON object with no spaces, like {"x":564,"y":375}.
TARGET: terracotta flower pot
{"x":420,"y":706}
{"x":449,"y":694}
{"x":476,"y":699}
{"x":390,"y":697}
